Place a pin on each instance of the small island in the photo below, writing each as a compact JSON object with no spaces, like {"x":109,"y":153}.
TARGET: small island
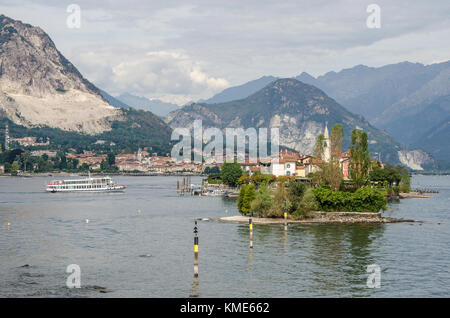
{"x":339,"y":188}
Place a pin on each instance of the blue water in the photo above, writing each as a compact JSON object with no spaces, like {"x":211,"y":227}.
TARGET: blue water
{"x":126,"y":253}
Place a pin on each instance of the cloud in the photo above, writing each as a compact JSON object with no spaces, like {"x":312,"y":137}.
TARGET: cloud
{"x":179,"y":50}
{"x":168,"y":75}
{"x":165,"y":72}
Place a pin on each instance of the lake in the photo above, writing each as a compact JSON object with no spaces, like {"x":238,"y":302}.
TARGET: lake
{"x":140,"y":244}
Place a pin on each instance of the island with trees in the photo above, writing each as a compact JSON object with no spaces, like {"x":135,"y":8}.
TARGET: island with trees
{"x":327,"y":197}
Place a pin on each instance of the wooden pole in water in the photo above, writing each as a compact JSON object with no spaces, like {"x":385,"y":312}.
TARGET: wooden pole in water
{"x":195,"y":250}
{"x":250,"y":226}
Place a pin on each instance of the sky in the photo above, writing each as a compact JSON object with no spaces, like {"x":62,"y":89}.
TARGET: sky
{"x":182,"y":51}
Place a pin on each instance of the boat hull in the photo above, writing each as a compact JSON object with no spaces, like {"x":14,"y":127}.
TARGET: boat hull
{"x":86,"y":190}
{"x":102,"y":184}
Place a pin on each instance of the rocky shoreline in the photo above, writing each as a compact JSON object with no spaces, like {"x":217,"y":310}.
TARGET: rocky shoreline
{"x":321,"y":217}
{"x":412,"y":194}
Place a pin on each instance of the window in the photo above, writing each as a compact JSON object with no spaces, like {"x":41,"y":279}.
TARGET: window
{"x":288,"y":165}
{"x":288,"y":173}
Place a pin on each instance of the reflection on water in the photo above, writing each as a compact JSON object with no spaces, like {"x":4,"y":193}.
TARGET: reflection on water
{"x":195,"y":290}
{"x":338,"y":254}
{"x":139,"y":244}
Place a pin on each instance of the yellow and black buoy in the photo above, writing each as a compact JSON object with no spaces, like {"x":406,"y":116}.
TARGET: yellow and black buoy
{"x":250,"y":226}
{"x":195,"y":250}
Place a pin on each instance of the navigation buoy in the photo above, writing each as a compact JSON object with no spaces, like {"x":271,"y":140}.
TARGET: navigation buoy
{"x":87,"y":221}
{"x":9,"y":224}
{"x":139,"y":210}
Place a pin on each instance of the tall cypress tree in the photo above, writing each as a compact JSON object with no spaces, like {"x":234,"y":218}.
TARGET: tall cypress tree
{"x":359,"y":158}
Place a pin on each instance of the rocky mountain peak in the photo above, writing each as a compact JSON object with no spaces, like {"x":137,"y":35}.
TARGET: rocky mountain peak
{"x":39,"y":86}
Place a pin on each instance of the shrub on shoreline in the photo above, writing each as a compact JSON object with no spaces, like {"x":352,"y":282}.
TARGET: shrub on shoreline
{"x":365,"y":199}
{"x":262,"y":203}
{"x":306,"y":206}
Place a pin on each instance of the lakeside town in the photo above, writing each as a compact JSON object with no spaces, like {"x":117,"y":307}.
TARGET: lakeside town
{"x":31,"y":155}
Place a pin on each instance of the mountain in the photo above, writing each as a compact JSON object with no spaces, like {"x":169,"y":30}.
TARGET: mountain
{"x":299,"y":110}
{"x":386,"y":94}
{"x":435,"y":141}
{"x":39,"y":86}
{"x":112,"y":100}
{"x":405,"y":99}
{"x":241,"y":91}
{"x":42,"y":91}
{"x":155,"y":106}
{"x":399,"y":98}
{"x":412,"y":127}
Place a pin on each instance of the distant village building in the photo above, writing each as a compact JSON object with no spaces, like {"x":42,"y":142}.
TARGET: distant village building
{"x":286,"y":164}
{"x":93,"y":161}
{"x":103,"y":142}
{"x":30,"y":141}
{"x":39,"y":153}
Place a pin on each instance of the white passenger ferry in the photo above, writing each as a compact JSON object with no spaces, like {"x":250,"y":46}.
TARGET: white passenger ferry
{"x":100,"y":184}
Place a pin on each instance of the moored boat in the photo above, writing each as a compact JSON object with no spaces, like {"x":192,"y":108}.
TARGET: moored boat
{"x":98,"y":184}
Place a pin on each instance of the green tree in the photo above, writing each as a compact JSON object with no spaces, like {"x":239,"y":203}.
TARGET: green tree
{"x":230,"y":173}
{"x":262,"y":203}
{"x":329,"y":172}
{"x":334,"y":175}
{"x":25,"y":160}
{"x":104,"y":165}
{"x":296,"y":191}
{"x":319,"y":147}
{"x":359,"y":158}
{"x":249,"y":196}
{"x":240,"y":200}
{"x":14,"y":167}
{"x":111,"y":159}
{"x":246,"y":196}
{"x":280,"y":201}
{"x":306,"y":206}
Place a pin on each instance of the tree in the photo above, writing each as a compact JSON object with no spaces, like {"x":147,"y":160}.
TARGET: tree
{"x":14,"y":167}
{"x":249,"y":196}
{"x":359,"y":158}
{"x":334,"y":175}
{"x":389,"y":174}
{"x":281,"y":202}
{"x":319,"y":147}
{"x":111,"y":159}
{"x":25,"y":159}
{"x":246,"y":196}
{"x":211,"y":170}
{"x":230,"y":173}
{"x":262,"y":202}
{"x":307,"y":205}
{"x":295,"y":194}
{"x":240,"y":200}
{"x":329,"y":172}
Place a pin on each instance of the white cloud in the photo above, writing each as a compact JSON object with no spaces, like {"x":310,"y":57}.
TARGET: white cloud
{"x":178,"y":50}
{"x":165,"y":72}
